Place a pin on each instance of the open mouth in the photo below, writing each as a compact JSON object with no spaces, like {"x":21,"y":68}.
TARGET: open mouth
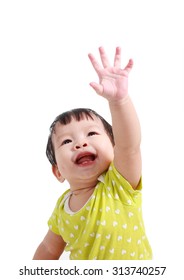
{"x":85,"y":158}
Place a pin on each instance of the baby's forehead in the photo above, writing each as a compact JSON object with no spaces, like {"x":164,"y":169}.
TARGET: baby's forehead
{"x":84,"y":122}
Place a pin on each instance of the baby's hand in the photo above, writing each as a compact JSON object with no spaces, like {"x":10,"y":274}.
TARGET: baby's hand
{"x":113,"y":81}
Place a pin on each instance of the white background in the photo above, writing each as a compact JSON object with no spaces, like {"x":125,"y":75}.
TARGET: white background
{"x":44,"y":70}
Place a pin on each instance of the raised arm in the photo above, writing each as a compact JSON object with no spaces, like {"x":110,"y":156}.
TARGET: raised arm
{"x":113,"y":85}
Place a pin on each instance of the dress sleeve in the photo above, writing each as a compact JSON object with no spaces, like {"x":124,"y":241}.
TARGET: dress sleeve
{"x":121,"y":188}
{"x":54,"y":218}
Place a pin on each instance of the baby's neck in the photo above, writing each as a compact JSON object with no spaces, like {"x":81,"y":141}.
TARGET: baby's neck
{"x":79,"y":197}
{"x":82,"y":191}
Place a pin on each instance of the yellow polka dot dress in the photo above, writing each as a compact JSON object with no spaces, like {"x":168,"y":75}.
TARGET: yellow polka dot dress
{"x":108,"y":227}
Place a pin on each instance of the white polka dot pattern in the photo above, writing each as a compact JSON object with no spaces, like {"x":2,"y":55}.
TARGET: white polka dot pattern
{"x":109,"y":226}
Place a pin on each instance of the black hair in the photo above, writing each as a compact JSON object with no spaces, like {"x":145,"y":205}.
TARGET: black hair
{"x":65,"y":118}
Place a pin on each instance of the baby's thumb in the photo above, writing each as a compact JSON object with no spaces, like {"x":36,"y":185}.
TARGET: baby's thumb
{"x":97,"y":87}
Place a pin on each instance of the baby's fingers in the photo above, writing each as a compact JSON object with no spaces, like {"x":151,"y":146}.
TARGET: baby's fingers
{"x":95,"y":63}
{"x":129,"y":66}
{"x":117,"y":58}
{"x":104,"y":58}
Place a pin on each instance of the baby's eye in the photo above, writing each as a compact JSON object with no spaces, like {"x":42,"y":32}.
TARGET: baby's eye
{"x":91,"y":133}
{"x":66,"y":141}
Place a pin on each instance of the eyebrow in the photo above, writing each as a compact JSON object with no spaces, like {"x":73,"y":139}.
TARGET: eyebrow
{"x":63,"y":135}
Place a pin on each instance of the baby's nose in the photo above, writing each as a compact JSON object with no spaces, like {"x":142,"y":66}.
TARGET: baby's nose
{"x":79,"y":146}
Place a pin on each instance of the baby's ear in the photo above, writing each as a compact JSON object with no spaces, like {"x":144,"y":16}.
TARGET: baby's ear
{"x":57,"y":173}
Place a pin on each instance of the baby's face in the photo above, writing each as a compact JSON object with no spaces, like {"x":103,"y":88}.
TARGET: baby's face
{"x":83,"y":150}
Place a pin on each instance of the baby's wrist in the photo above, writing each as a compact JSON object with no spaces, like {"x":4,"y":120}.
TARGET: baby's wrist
{"x":119,"y":101}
